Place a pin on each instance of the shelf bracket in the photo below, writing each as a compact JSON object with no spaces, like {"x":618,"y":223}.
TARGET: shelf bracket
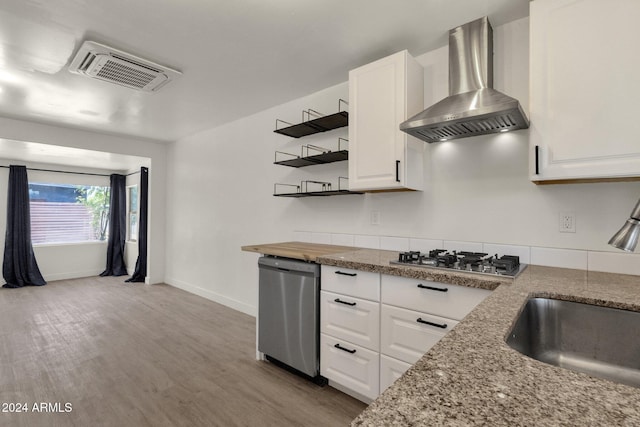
{"x":282,"y":121}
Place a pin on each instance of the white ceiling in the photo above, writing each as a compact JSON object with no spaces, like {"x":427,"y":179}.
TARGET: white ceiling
{"x":32,"y":152}
{"x":237,"y":57}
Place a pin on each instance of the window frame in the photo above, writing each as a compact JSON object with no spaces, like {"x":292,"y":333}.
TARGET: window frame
{"x":47,"y":239}
{"x":131,"y":213}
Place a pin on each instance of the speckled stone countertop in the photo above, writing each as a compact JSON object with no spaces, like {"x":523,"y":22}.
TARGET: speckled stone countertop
{"x":471,"y":377}
{"x":377,"y":261}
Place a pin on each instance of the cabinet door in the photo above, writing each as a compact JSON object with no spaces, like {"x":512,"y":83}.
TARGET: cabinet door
{"x":407,"y":335}
{"x":381,"y":96}
{"x":584,"y":89}
{"x":352,"y":319}
{"x":356,"y":283}
{"x":439,"y":299}
{"x":390,"y":370}
{"x":349,"y":365}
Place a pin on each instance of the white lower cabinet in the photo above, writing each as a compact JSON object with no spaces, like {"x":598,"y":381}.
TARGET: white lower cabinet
{"x":374,"y":327}
{"x":353,"y":319}
{"x":440,"y":299}
{"x":350,"y":365}
{"x":390,"y":370}
{"x":361,"y":284}
{"x":407,"y":335}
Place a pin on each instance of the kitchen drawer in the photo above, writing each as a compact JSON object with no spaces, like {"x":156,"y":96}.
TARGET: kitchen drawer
{"x":351,"y":366}
{"x":390,"y":370}
{"x":353,"y":319}
{"x":361,"y":284}
{"x":436,"y":298}
{"x":406,"y":335}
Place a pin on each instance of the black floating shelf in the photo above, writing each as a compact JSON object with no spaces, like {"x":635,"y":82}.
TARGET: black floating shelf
{"x":302,"y":190}
{"x":318,"y":159}
{"x":321,"y":124}
{"x":318,"y":193}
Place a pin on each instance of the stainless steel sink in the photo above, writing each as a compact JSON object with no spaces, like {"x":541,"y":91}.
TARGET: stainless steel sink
{"x":600,"y":341}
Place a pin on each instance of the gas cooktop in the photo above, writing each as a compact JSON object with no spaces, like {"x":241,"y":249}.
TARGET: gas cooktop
{"x":472,"y":262}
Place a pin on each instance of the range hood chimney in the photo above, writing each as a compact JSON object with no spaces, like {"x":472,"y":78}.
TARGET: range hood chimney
{"x":473,"y":107}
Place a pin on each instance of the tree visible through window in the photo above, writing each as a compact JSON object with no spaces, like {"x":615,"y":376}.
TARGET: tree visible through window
{"x":63,"y":213}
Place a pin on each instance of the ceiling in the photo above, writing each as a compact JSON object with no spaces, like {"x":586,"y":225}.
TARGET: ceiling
{"x":33,"y":152}
{"x":237,"y":57}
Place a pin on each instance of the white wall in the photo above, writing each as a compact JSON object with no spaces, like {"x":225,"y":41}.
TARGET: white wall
{"x":156,"y":152}
{"x":220,"y":185}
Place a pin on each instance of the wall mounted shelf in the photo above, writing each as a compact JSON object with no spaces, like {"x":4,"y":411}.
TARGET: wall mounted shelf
{"x":302,"y":190}
{"x":325,"y":156}
{"x":310,"y":126}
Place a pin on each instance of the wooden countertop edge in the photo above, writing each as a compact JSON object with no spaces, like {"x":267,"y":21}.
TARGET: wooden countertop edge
{"x":298,"y":250}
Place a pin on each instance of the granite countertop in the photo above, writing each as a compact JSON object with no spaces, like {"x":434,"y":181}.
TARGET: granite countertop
{"x":471,"y":377}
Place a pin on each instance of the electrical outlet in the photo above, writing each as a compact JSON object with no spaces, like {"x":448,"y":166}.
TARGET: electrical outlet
{"x":567,"y":222}
{"x":375,"y":217}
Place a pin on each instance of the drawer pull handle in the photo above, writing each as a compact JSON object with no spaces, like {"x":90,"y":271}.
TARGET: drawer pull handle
{"x":431,"y":288}
{"x":437,"y":325}
{"x":344,"y":302}
{"x":346,"y":274}
{"x":339,"y":347}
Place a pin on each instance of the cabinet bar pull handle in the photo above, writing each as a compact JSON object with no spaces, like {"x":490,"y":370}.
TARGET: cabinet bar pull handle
{"x":537,"y":160}
{"x":346,"y":274}
{"x":397,"y":170}
{"x":338,"y":346}
{"x":431,"y":288}
{"x":344,"y":302}
{"x":437,"y":325}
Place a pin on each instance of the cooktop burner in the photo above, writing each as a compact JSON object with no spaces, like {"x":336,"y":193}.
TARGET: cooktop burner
{"x":474,"y":262}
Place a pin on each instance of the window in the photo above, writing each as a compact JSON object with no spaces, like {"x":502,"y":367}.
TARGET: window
{"x":132,"y":222}
{"x":63,"y":213}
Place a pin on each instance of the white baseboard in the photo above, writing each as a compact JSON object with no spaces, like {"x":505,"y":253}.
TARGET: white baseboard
{"x":71,"y":275}
{"x":213,"y":296}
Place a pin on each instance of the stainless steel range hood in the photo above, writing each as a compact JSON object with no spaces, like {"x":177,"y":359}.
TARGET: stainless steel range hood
{"x":473,"y":107}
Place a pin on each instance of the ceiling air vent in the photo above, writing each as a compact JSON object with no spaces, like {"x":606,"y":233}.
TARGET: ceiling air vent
{"x":105,"y":63}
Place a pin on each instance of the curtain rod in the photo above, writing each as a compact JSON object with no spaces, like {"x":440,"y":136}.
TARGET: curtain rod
{"x":69,"y":172}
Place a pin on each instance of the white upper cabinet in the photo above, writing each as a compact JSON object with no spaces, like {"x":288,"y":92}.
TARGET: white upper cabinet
{"x":585,"y":90}
{"x":382,"y":95}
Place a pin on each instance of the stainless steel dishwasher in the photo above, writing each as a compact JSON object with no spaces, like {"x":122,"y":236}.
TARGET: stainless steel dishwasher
{"x":289,"y":314}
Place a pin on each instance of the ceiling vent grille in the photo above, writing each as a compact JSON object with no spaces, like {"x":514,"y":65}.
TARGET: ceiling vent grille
{"x":105,"y":63}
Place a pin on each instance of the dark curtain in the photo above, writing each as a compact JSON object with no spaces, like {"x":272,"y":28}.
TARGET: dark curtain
{"x":19,"y":267}
{"x":117,"y":227}
{"x":141,"y":264}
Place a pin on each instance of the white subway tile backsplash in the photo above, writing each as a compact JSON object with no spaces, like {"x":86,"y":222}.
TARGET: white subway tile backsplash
{"x":342,"y":239}
{"x":425,"y":245}
{"x":524,"y":252}
{"x":611,"y":262}
{"x":565,"y":258}
{"x":454,"y":245}
{"x":390,"y":243}
{"x":302,"y":236}
{"x":324,"y":238}
{"x":365,"y":241}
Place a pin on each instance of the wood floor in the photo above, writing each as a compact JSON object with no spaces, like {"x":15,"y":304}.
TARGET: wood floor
{"x":138,"y":355}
